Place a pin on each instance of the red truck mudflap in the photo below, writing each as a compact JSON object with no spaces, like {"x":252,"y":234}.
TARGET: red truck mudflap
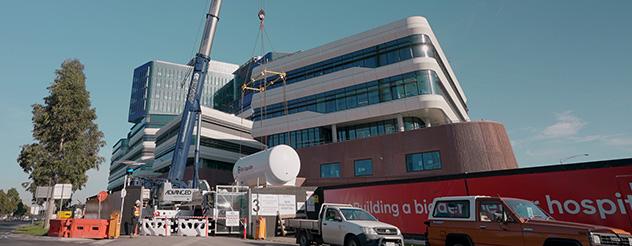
{"x":596,"y":193}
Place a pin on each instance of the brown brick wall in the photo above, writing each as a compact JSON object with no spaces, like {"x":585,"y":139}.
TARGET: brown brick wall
{"x":464,"y":147}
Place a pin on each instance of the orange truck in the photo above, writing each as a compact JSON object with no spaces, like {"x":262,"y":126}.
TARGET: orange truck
{"x":485,"y":220}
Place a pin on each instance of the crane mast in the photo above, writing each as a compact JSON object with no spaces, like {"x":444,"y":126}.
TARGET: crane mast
{"x":192,"y":109}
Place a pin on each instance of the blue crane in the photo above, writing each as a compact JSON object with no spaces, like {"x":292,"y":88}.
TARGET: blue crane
{"x":192,"y":110}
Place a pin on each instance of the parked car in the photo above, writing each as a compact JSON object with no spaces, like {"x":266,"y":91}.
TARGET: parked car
{"x":342,"y":224}
{"x":485,"y":220}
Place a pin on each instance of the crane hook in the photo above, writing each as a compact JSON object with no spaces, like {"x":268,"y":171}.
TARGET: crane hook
{"x":262,"y":15}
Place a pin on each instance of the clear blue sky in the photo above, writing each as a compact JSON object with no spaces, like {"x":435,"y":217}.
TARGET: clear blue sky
{"x":558,"y":74}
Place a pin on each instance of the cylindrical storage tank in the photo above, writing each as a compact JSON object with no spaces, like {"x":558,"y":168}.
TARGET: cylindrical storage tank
{"x":275,"y":166}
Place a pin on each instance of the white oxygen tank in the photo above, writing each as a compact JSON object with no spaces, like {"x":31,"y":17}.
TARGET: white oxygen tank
{"x":276,"y":166}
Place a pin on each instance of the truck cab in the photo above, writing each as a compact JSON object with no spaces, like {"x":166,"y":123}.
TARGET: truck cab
{"x":343,"y":224}
{"x":484,"y":220}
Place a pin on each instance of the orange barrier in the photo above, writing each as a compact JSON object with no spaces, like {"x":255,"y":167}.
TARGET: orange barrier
{"x":59,"y":228}
{"x":114,"y":229}
{"x":260,"y":232}
{"x":89,"y":228}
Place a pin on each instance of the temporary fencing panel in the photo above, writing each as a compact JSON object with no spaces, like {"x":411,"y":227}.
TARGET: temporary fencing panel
{"x":230,"y":199}
{"x":156,"y":226}
{"x":596,"y":195}
{"x":193,"y":227}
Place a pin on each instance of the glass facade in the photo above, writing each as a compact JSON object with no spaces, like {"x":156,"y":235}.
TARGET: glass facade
{"x":160,"y":88}
{"x":413,"y":123}
{"x":363,"y":167}
{"x":299,"y":139}
{"x":418,"y":45}
{"x":228,"y":98}
{"x":423,"y":161}
{"x":374,"y":92}
{"x":330,"y":170}
{"x":367,"y":130}
{"x":321,"y":135}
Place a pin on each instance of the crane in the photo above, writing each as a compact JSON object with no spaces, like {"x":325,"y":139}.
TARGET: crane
{"x":192,"y":111}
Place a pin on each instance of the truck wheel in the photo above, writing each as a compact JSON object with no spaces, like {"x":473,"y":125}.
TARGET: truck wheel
{"x":302,"y":239}
{"x":352,"y":241}
{"x":457,"y":242}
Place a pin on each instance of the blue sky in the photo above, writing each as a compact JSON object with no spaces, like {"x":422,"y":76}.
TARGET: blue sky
{"x":556,"y":73}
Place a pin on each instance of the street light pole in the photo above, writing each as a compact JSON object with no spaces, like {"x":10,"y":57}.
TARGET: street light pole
{"x":571,"y":157}
{"x":123,"y":194}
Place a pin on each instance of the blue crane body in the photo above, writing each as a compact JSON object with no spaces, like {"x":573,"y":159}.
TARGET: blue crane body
{"x":192,"y":104}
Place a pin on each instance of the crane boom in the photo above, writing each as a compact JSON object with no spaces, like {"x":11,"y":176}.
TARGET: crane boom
{"x":192,"y":103}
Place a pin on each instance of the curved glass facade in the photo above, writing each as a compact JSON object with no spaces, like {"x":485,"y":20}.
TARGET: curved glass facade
{"x":373,"y":92}
{"x":321,"y":135}
{"x":418,"y":45}
{"x":367,"y":130}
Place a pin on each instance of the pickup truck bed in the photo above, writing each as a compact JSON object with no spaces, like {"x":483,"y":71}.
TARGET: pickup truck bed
{"x":306,"y":224}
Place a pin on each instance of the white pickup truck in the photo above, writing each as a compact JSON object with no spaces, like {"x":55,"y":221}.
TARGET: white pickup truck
{"x":343,"y":224}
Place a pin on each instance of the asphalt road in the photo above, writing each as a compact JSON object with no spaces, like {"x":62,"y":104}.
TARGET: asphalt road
{"x":8,"y":238}
{"x":20,"y":240}
{"x":9,"y":226}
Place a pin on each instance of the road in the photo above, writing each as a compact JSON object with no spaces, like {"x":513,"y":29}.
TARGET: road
{"x":20,"y":240}
{"x":7,"y":238}
{"x":9,"y":226}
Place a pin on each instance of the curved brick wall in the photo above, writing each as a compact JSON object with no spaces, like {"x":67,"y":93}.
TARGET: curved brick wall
{"x":464,"y":147}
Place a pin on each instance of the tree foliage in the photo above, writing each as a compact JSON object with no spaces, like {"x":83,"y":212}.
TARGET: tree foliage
{"x":66,"y":137}
{"x":20,"y":210}
{"x":9,"y":201}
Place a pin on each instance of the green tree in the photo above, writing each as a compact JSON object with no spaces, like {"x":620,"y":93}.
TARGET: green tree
{"x":20,"y":209}
{"x":12,"y":200}
{"x":4,"y":208}
{"x":67,"y":138}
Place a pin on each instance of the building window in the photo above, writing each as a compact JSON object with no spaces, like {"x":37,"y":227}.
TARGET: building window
{"x":413,"y":123}
{"x":423,"y":161}
{"x":363,"y":167}
{"x":330,"y":170}
{"x":373,"y":92}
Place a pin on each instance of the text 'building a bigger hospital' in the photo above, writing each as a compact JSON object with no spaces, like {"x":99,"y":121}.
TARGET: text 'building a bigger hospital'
{"x":383,"y":104}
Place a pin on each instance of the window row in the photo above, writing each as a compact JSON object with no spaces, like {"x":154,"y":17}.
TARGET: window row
{"x":321,"y":135}
{"x":405,"y":48}
{"x":406,"y":85}
{"x":367,"y":130}
{"x":300,"y":138}
{"x":423,"y":161}
{"x":364,"y":167}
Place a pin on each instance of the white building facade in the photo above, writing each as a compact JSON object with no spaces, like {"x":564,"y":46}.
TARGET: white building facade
{"x":389,"y":79}
{"x":157,"y":97}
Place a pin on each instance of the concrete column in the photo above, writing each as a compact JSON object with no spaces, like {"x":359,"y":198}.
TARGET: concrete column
{"x":400,"y":123}
{"x":334,"y":134}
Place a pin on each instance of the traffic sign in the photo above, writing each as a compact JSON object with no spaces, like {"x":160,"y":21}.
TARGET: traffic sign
{"x":101,"y":196}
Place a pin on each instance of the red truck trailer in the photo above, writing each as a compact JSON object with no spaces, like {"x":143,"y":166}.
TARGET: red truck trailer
{"x":594,"y":192}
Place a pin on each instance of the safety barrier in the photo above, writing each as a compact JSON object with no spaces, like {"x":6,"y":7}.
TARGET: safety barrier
{"x":89,"y":228}
{"x":156,"y":226}
{"x":59,"y":228}
{"x":193,"y":226}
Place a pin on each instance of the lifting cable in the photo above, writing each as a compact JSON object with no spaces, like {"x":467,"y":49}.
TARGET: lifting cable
{"x":249,"y":83}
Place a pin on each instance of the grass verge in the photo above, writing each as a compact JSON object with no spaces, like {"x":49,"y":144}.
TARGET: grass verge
{"x":36,"y":229}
